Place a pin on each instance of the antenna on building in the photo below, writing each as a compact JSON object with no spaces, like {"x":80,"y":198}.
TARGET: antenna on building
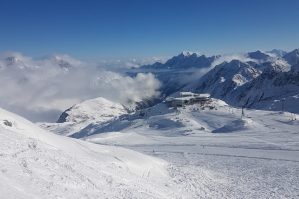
{"x":282,"y":104}
{"x":243,"y":113}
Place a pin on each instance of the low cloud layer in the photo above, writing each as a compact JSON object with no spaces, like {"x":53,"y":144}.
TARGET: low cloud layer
{"x":41,"y":89}
{"x":229,"y":58}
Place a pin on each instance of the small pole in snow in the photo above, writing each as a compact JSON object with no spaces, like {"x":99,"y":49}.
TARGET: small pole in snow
{"x":243,"y":114}
{"x":282,"y":104}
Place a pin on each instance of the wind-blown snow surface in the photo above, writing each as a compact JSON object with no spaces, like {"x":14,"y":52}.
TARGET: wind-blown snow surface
{"x":38,"y":164}
{"x":212,"y":150}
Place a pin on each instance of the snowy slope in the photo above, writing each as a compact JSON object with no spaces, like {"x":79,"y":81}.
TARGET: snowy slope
{"x":214,"y":152}
{"x":98,"y":110}
{"x":193,"y":120}
{"x":38,"y":164}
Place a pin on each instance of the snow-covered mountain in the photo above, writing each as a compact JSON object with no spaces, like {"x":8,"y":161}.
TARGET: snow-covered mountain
{"x":277,"y":88}
{"x":13,"y":61}
{"x":225,"y":78}
{"x":277,"y":52}
{"x":98,"y":110}
{"x":64,"y":61}
{"x":265,"y":85}
{"x":16,"y":60}
{"x":175,"y":73}
{"x":183,"y":61}
{"x":263,"y":81}
{"x":187,"y":67}
{"x":149,"y":125}
{"x":267,"y":82}
{"x":259,"y":55}
{"x":152,"y":118}
{"x":219,"y":75}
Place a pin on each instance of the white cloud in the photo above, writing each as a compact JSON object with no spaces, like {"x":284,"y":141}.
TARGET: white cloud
{"x":131,"y":63}
{"x":41,"y":89}
{"x":230,"y":57}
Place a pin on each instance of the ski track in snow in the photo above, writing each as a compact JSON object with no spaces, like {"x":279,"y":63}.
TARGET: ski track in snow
{"x":258,"y":160}
{"x":202,"y":176}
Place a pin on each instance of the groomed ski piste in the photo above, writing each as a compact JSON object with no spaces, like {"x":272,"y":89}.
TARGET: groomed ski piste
{"x":214,"y":151}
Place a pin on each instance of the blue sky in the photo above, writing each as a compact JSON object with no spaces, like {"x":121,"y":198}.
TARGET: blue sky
{"x":144,"y":28}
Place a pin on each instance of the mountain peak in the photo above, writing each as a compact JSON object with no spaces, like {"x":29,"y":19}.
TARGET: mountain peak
{"x":277,"y":52}
{"x":12,"y":60}
{"x":234,"y":62}
{"x":189,"y":53}
{"x":16,"y":60}
{"x":292,"y":57}
{"x":258,"y":55}
{"x":294,"y":52}
{"x":80,"y":115}
{"x":65,"y":61}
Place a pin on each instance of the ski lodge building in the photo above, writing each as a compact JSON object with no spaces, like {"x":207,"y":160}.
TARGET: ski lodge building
{"x":188,"y":98}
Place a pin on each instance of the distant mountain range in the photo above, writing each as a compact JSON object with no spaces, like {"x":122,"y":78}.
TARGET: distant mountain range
{"x":18,"y":61}
{"x":264,"y":80}
{"x":258,"y":80}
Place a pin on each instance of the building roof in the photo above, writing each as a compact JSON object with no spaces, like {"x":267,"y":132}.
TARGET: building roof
{"x":187,"y":94}
{"x":183,"y":98}
{"x":204,"y":95}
